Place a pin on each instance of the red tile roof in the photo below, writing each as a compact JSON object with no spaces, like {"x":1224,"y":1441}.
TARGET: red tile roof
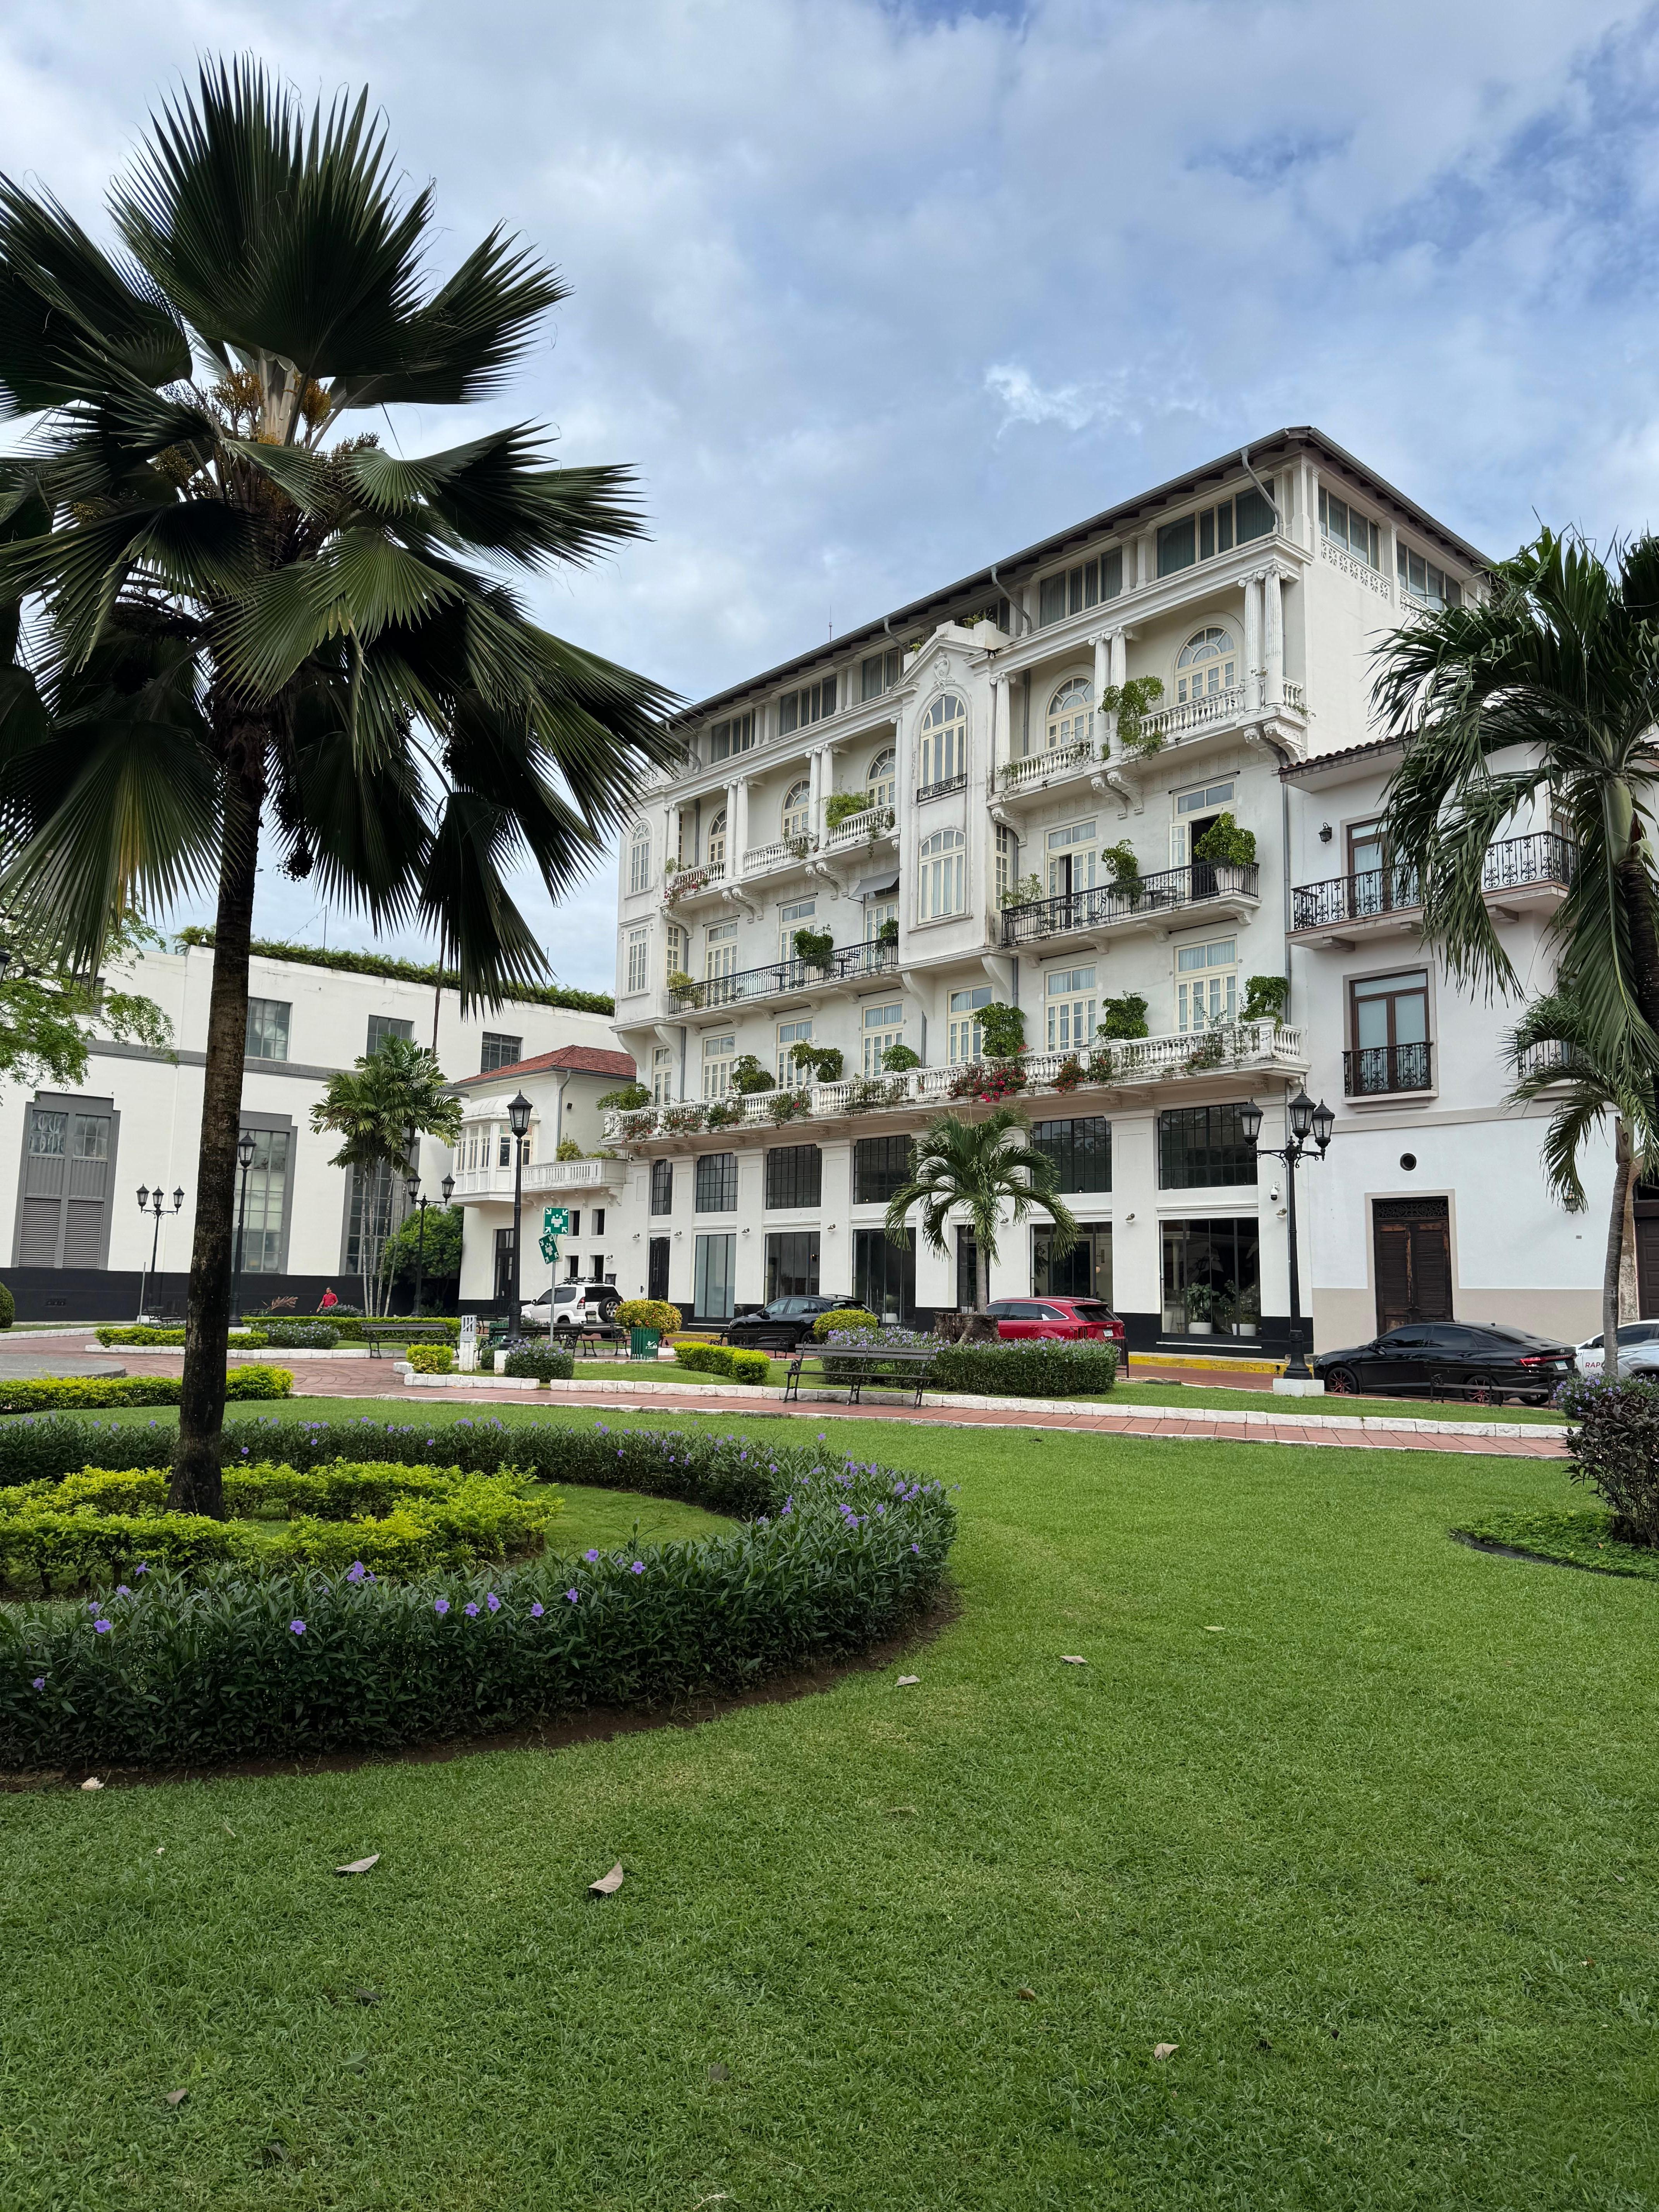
{"x":571,"y":1059}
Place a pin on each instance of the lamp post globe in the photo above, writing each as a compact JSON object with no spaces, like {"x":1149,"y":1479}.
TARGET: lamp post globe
{"x":1249,"y":1118}
{"x":1323,"y":1122}
{"x":1301,"y":1113}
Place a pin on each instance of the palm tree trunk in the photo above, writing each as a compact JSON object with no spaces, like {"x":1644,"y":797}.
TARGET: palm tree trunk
{"x":1630,"y":1286}
{"x":1643,"y":926}
{"x":1621,"y":1184}
{"x":197,"y":1486}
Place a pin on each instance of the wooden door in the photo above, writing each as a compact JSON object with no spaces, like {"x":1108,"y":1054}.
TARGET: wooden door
{"x":1411,"y":1240}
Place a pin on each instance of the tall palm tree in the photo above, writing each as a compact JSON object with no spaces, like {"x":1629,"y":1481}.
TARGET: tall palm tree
{"x":1547,"y":691}
{"x":978,"y":1167}
{"x":378,"y":1108}
{"x":244,"y":617}
{"x":1554,"y":1055}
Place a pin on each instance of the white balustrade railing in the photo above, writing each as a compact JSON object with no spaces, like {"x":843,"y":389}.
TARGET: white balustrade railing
{"x":1112,"y":1064}
{"x":542,"y":1178}
{"x":779,"y":854}
{"x":1040,"y":767}
{"x":873,"y":822}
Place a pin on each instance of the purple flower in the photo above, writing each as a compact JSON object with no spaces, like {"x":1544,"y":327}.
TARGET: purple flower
{"x":573,"y":1595}
{"x":143,"y":1567}
{"x":99,"y":1626}
{"x":493,"y":1602}
{"x":916,"y":1548}
{"x":39,"y":1681}
{"x":590,"y":1555}
{"x":536,"y":1610}
{"x":638,"y":1567}
{"x":121,"y":1590}
{"x":440,"y":1605}
{"x":355,"y":1571}
{"x":470,"y":1610}
{"x":296,"y":1628}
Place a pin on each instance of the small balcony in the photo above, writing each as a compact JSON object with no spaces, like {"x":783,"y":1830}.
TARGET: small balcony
{"x":777,"y":858}
{"x":1148,"y":903}
{"x":1379,"y":1071}
{"x":543,"y":1179}
{"x":860,"y":961}
{"x":942,"y":789}
{"x":685,"y":888}
{"x":783,"y":980}
{"x":864,"y":828}
{"x":1039,"y":772}
{"x":1520,"y":875}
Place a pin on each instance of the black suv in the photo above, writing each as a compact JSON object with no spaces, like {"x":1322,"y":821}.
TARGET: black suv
{"x":1482,"y":1360}
{"x":781,"y":1326}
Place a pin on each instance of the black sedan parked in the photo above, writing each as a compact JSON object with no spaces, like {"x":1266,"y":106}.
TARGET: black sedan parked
{"x":780,"y":1326}
{"x":1480,"y":1360}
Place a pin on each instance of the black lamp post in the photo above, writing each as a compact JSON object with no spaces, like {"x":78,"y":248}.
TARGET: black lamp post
{"x":518,"y":1117}
{"x":1305,"y":1120}
{"x":245,"y":1148}
{"x":149,"y":1201}
{"x":410,"y":1187}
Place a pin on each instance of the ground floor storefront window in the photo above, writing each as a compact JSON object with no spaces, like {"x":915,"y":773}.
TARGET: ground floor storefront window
{"x":792,"y":1264}
{"x":713,"y":1276}
{"x":1212,"y":1277}
{"x":1085,"y":1272}
{"x":884,"y":1277}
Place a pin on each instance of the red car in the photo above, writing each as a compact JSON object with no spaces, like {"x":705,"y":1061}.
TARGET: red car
{"x":1077,"y":1319}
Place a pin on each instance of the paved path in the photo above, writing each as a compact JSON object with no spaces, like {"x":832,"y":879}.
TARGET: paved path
{"x":324,"y":1378}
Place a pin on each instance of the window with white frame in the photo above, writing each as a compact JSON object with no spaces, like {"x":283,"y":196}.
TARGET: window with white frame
{"x":1346,"y":526}
{"x":1071,"y":717}
{"x":720,"y":949}
{"x":718,"y":1053}
{"x":879,"y":672}
{"x":717,"y":844}
{"x":883,"y":1027}
{"x":1206,"y":983}
{"x":1084,"y":586}
{"x":1422,"y":581}
{"x":662,"y":1076}
{"x":966,"y":1040}
{"x":735,"y":735}
{"x":1193,"y":809}
{"x":882,"y":781}
{"x":798,"y":710}
{"x":797,"y":809}
{"x":943,"y":886}
{"x":1215,"y":530}
{"x":790,"y":1034}
{"x":639,"y":860}
{"x":1007,"y":860}
{"x":1206,"y":665}
{"x":877,"y":911}
{"x":1069,"y":1000}
{"x":797,"y":914}
{"x":639,"y":959}
{"x":944,"y":740}
{"x":1073,"y":858}
{"x":675,"y":950}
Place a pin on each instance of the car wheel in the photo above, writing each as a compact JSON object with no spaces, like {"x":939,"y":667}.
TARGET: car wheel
{"x":1536,"y":1398}
{"x":1482,"y":1393}
{"x":1342,"y":1382}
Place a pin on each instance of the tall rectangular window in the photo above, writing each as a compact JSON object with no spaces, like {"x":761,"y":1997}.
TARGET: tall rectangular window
{"x":1224,"y":1258}
{"x":1206,"y":983}
{"x":883,"y":1026}
{"x":1346,"y":526}
{"x":639,"y":949}
{"x":718,"y":1053}
{"x":1076,"y":589}
{"x":883,"y":1275}
{"x":879,"y":672}
{"x":794,"y":1176}
{"x":639,"y":860}
{"x":1069,"y":1000}
{"x":267,"y":1028}
{"x":1007,"y":860}
{"x":67,"y":1169}
{"x":370,"y":1196}
{"x":795,"y":914}
{"x":1203,"y":1148}
{"x":266,"y":1179}
{"x":1421,"y":580}
{"x":1389,"y":1022}
{"x":790,"y":1073}
{"x":792,"y":1264}
{"x":881,"y":1167}
{"x":499,"y":1050}
{"x":712,"y":1278}
{"x":1177,"y":545}
{"x":734,"y":735}
{"x":382,"y":1028}
{"x":715,"y":1187}
{"x":1084,"y":1272}
{"x":676,"y":951}
{"x":720,"y":950}
{"x":798,"y":710}
{"x":1081,"y":1149}
{"x":662,"y":1075}
{"x":966,"y":1039}
{"x":662,"y":1186}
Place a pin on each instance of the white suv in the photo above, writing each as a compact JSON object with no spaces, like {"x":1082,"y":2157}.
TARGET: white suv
{"x":1639,"y":1351}
{"x":574,"y":1305}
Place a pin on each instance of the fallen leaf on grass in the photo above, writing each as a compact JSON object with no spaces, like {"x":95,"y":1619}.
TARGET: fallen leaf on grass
{"x":175,"y":2096}
{"x":908,"y":1681}
{"x":608,"y":1884}
{"x":1165,"y":2049}
{"x":1029,"y":1996}
{"x":1071,"y":1659}
{"x":274,"y":2153}
{"x":718,"y":2073}
{"x":1213,"y":1628}
{"x":900,"y":1812}
{"x":359,"y":1866}
{"x":92,"y":1783}
{"x":367,"y":1997}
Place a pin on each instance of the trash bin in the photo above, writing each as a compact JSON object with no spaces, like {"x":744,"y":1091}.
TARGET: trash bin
{"x":643,"y":1343}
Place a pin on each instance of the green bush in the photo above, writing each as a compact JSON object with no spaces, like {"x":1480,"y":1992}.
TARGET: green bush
{"x":748,"y":1076}
{"x":43,"y":1394}
{"x":836,"y":1558}
{"x":841,"y":806}
{"x":842,"y":1317}
{"x":648,"y":1313}
{"x":900,"y":1059}
{"x":300,"y":1335}
{"x":1003,"y":1029}
{"x":1123,"y":1018}
{"x":7,"y":1307}
{"x":1266,"y":998}
{"x":751,"y":1367}
{"x":546,"y":1362}
{"x":431,"y":1359}
{"x":1223,"y":840}
{"x":1615,"y":1449}
{"x":816,"y":948}
{"x":1038,"y":1367}
{"x":703,"y":1358}
{"x":137,"y":1333}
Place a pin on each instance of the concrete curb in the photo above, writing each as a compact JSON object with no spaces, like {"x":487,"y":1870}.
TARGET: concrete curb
{"x":265,"y":1354}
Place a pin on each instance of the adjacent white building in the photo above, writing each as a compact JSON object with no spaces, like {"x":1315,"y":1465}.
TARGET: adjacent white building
{"x":947,"y":798}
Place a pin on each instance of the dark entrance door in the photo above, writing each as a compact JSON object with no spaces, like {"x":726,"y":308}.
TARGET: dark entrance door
{"x":656,"y":1274}
{"x":967,"y":1263}
{"x":503,"y":1267}
{"x":1413,"y":1243}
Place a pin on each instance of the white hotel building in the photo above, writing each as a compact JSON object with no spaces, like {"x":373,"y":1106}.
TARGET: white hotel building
{"x":1015,"y":846}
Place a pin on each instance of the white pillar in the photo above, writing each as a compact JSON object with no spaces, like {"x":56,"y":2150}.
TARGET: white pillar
{"x":733,"y":848}
{"x":1103,"y":678}
{"x":1002,"y":725}
{"x":1275,"y":639}
{"x":743,"y":818}
{"x":823,"y":762}
{"x":1253,"y":640}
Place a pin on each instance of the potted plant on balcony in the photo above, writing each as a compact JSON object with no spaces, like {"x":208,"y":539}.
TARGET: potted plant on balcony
{"x":1069,"y":1074}
{"x":724,"y":1113}
{"x":898,"y":1060}
{"x":1003,"y":1029}
{"x":1129,"y":702}
{"x":1028,"y":891}
{"x":1266,"y":998}
{"x":1201,"y":1305}
{"x":628,"y":1100}
{"x":786,"y":1106}
{"x":1125,"y":871}
{"x":683,"y":1121}
{"x":1122,"y":1018}
{"x":748,"y":1076}
{"x":825,"y":1061}
{"x":888,"y":933}
{"x":814,"y":948}
{"x":841,"y":806}
{"x":1225,"y":842}
{"x":688,"y":987}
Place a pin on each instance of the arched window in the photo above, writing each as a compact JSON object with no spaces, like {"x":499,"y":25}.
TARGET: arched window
{"x":1071,"y":715}
{"x":943,"y":886}
{"x":882,"y":781}
{"x":797,"y":809}
{"x":639,"y":860}
{"x":1208,"y":663}
{"x":717,"y":843}
{"x":944,"y":740}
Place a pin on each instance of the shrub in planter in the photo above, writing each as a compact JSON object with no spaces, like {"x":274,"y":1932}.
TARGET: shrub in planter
{"x":544,"y":1361}
{"x":899,"y":1059}
{"x":1225,"y":842}
{"x":825,"y":1061}
{"x":887,"y":932}
{"x":300,"y":1335}
{"x":748,"y":1075}
{"x":841,"y":806}
{"x":787,"y":1106}
{"x":1266,"y":998}
{"x":1038,"y":1367}
{"x":628,"y":1100}
{"x":1615,"y":1449}
{"x":142,"y":1332}
{"x":431,"y":1359}
{"x":648,"y":1313}
{"x":1122,"y":1018}
{"x":1003,"y":1029}
{"x":815,"y":947}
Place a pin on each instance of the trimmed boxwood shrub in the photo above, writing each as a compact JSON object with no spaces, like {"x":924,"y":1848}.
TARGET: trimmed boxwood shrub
{"x":737,"y":1365}
{"x":835,"y":1557}
{"x":1037,"y":1367}
{"x":842,"y":1320}
{"x":8,"y":1306}
{"x":546,"y":1362}
{"x":431,"y":1358}
{"x":45,"y":1393}
{"x":648,"y":1313}
{"x":1615,"y":1449}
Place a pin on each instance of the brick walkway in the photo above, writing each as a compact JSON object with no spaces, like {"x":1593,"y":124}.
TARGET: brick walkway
{"x":374,"y":1378}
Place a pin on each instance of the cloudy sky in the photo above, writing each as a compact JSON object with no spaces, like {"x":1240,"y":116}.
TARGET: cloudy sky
{"x":872,"y":293}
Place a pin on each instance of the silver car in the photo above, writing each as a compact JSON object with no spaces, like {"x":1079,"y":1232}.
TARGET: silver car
{"x":1639,"y":1351}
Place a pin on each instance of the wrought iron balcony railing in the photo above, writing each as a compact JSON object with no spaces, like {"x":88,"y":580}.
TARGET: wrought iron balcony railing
{"x":1375,"y":1070}
{"x":1513,"y":863}
{"x":1140,"y":899}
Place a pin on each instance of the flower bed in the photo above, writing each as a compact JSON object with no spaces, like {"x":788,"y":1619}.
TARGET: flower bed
{"x":835,"y":1556}
{"x":48,"y":1393}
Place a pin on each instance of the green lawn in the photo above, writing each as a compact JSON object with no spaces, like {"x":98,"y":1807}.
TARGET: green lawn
{"x":1365,"y":1821}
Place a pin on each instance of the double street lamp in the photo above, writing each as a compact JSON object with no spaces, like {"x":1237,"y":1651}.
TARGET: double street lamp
{"x":245,"y":1150}
{"x":412,"y":1192}
{"x":149,"y":1201}
{"x":518,"y":1117}
{"x":1305,"y":1121}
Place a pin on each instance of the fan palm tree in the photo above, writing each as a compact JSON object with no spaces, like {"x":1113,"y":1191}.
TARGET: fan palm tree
{"x":393,"y":1095}
{"x":242,"y":620}
{"x":1546,"y":692}
{"x":978,"y":1167}
{"x":1554,"y":1057}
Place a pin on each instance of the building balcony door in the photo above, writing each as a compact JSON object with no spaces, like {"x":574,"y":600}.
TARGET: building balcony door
{"x":1412,"y":1239}
{"x":656,"y":1273}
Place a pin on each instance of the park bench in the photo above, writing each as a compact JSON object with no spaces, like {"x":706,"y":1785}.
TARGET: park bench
{"x":594,"y":1337}
{"x":382,"y":1332}
{"x":894,"y":1365}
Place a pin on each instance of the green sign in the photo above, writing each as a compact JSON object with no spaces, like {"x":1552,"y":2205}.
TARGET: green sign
{"x":555,"y":1221}
{"x":549,"y":1248}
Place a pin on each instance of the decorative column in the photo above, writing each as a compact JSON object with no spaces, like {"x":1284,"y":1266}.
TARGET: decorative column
{"x":671,"y":833}
{"x":733,"y":849}
{"x":741,"y":846}
{"x":1275,"y":626}
{"x":1103,"y":678}
{"x":1002,"y":726}
{"x":1253,"y":639}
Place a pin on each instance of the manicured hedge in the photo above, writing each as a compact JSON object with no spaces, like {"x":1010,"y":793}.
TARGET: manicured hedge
{"x":1034,"y":1367}
{"x":290,"y":1335}
{"x":431,"y":1359}
{"x":738,"y":1365}
{"x":546,"y":1362}
{"x":46,"y":1393}
{"x":835,"y":1557}
{"x":1615,"y":1449}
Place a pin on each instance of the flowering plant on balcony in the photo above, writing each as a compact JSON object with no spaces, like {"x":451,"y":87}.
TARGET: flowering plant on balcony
{"x":870,"y":1092}
{"x":988,"y":1080}
{"x":1069,"y":1074}
{"x":724,"y":1113}
{"x":683,"y":882}
{"x":682,"y":1121}
{"x":1102,"y":1065}
{"x":638,"y":1122}
{"x":787,"y":1106}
